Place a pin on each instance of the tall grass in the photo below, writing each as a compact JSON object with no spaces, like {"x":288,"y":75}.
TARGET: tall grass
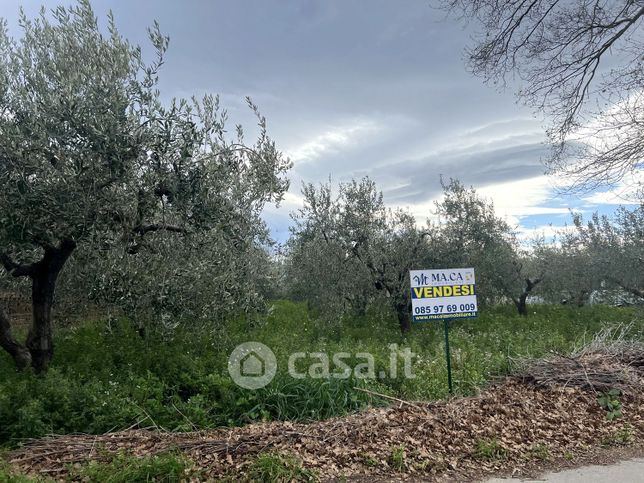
{"x":105,"y":377}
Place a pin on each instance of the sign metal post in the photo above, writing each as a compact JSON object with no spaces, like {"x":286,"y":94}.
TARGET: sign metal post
{"x":447,"y":355}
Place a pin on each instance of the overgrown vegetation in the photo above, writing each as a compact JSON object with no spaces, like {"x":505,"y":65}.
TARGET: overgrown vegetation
{"x":121,"y":468}
{"x":105,"y":377}
{"x":152,"y":206}
{"x":349,"y":252}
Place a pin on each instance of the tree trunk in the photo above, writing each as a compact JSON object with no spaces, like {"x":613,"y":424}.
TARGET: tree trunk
{"x":404,"y":319}
{"x":43,"y":286}
{"x":580,"y":299}
{"x":39,"y":338}
{"x":19,"y":353}
{"x":39,"y":347}
{"x":521,"y":304}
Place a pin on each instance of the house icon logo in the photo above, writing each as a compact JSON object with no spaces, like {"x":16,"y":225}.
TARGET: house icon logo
{"x":252,"y":365}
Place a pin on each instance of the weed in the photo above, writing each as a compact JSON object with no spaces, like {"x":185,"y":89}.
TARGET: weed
{"x":610,"y":402}
{"x":278,"y":468}
{"x":103,"y":378}
{"x":619,"y":437}
{"x":370,"y":461}
{"x":398,"y":458}
{"x":490,"y":450}
{"x":539,"y":451}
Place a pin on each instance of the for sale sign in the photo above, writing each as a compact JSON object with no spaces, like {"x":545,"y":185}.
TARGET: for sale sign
{"x":442,"y":294}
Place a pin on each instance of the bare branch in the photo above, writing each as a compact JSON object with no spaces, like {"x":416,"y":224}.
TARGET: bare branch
{"x":558,"y":52}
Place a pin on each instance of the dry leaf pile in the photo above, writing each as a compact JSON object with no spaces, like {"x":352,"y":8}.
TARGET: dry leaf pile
{"x":505,"y":428}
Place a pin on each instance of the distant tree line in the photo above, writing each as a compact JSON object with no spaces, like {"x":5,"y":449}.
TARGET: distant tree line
{"x":348,"y":251}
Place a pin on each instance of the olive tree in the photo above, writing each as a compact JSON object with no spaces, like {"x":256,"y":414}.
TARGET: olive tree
{"x":615,"y":247}
{"x":571,"y":273}
{"x":471,"y":234}
{"x":196,"y":279}
{"x":318,"y":268}
{"x":578,"y":61}
{"x":91,"y":157}
{"x":356,"y":249}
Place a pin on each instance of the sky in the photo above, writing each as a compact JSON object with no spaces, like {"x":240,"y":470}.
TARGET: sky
{"x":354,"y":88}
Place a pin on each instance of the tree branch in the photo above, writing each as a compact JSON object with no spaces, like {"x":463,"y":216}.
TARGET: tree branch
{"x":19,"y":352}
{"x":16,"y":269}
{"x":143,"y":229}
{"x":530,"y":284}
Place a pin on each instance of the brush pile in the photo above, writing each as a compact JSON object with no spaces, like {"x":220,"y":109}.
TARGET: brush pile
{"x":603,"y":365}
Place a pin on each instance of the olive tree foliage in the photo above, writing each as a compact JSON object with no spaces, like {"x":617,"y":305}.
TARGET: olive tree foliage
{"x":318,"y":267}
{"x":602,"y":256}
{"x":579,"y":62}
{"x":568,"y":282}
{"x":198,"y":279}
{"x":94,"y":164}
{"x":350,"y":250}
{"x":572,"y":273}
{"x":615,"y":247}
{"x":470,"y":234}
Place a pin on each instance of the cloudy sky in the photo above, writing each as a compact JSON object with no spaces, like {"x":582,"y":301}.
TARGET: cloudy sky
{"x":353,"y":88}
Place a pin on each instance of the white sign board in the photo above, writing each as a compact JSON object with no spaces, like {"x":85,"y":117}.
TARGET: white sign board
{"x":443,"y":294}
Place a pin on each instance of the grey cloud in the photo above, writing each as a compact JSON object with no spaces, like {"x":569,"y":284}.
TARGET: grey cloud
{"x":419,"y":180}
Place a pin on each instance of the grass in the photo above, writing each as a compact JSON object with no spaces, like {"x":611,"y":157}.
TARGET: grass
{"x":163,"y":468}
{"x":166,"y":468}
{"x":279,"y":468}
{"x":398,"y":458}
{"x":490,"y":450}
{"x":623,"y":436}
{"x":104,"y":377}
